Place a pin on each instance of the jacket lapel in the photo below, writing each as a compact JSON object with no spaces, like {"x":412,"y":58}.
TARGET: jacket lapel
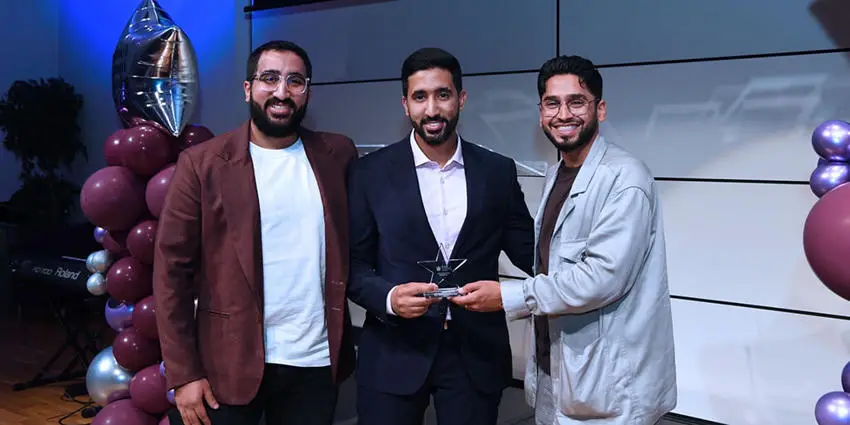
{"x":241,"y":207}
{"x":588,"y":169}
{"x":319,"y":155}
{"x":402,"y":176}
{"x":476,"y":192}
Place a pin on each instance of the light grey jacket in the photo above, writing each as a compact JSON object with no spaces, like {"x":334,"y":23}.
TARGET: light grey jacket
{"x":606,"y":297}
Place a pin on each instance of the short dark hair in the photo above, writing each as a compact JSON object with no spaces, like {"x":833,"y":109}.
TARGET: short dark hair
{"x":280,"y":46}
{"x":585,"y":70}
{"x":429,"y":58}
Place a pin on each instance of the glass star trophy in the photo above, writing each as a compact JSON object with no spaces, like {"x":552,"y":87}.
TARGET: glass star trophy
{"x":441,"y":272}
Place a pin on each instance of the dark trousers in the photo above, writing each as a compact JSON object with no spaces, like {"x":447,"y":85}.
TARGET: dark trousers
{"x":456,"y":400}
{"x":288,"y":395}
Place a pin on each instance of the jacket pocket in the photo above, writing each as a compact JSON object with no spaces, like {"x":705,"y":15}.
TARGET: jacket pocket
{"x":213,"y":312}
{"x":570,"y":252}
{"x":591,"y":384}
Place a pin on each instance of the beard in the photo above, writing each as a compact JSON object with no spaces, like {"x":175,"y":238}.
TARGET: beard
{"x":435,"y":139}
{"x":261,"y":118}
{"x":584,"y":137}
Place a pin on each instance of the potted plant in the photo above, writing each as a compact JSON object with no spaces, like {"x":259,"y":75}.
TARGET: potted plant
{"x":40,"y":122}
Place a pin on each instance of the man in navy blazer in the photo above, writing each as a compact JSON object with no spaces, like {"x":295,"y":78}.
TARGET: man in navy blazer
{"x":432,"y":195}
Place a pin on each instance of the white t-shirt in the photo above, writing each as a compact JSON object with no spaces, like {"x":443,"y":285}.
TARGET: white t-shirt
{"x":293,"y":242}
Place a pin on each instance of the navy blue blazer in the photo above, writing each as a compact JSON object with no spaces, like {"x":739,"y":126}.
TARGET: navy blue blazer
{"x":390,"y":234}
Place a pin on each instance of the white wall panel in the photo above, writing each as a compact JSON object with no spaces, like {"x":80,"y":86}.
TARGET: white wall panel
{"x":742,"y":243}
{"x":614,"y":31}
{"x":738,"y":120}
{"x":744,"y":119}
{"x":742,"y":366}
{"x":501,"y":113}
{"x":369,"y":39}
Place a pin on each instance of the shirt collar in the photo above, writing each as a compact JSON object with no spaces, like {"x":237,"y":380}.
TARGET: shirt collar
{"x":420,"y":159}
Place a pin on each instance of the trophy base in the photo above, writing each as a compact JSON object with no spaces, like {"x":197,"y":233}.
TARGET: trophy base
{"x":442,"y":293}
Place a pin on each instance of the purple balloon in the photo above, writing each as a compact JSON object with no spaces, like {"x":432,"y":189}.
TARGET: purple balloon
{"x":845,"y":378}
{"x":833,"y":409}
{"x":118,"y":315}
{"x":99,"y":234}
{"x":831,"y":140}
{"x":828,"y":176}
{"x":162,"y":368}
{"x":170,"y":396}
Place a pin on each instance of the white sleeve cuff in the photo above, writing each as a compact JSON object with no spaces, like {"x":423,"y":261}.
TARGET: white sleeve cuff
{"x":390,"y":302}
{"x":513,"y":299}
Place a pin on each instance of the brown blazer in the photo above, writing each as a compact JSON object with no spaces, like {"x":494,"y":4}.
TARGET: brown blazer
{"x":208,"y":246}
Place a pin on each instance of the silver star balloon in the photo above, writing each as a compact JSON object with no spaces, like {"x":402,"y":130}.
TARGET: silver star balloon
{"x":154,"y":71}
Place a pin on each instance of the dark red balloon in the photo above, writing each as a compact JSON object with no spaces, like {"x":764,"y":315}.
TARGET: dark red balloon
{"x":146,"y":150}
{"x":123,"y":412}
{"x":157,"y":188}
{"x":140,"y":241}
{"x":128,"y":280}
{"x":113,"y":147}
{"x":116,"y":243}
{"x":826,"y":240}
{"x":148,"y":391}
{"x":133,"y":351}
{"x":113,"y":198}
{"x":192,"y":135}
{"x":144,"y":319}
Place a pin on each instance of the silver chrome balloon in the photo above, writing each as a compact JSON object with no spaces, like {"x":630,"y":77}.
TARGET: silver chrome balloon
{"x":96,"y":284}
{"x":154,"y":71}
{"x":99,"y":261}
{"x":106,"y":381}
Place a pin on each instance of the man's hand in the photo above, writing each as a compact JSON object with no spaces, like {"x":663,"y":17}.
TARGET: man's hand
{"x":406,"y":302}
{"x":190,"y":399}
{"x":483,"y":295}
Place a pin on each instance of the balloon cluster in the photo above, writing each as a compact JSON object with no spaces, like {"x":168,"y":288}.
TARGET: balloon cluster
{"x":831,"y":141}
{"x":826,"y":234}
{"x":826,"y":241}
{"x":833,"y":408}
{"x":124,"y":200}
{"x":154,"y":83}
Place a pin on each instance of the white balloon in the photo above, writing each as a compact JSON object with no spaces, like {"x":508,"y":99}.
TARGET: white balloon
{"x":106,"y":381}
{"x":96,"y":284}
{"x":99,"y":261}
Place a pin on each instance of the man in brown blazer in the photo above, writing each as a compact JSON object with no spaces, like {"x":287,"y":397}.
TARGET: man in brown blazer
{"x":255,"y":228}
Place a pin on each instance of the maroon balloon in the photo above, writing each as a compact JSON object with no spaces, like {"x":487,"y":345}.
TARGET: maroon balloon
{"x":157,"y":188}
{"x":123,"y":412}
{"x":113,"y":147}
{"x":116,"y":243}
{"x":113,"y":198}
{"x":148,"y":390}
{"x":826,"y":240}
{"x":147,"y":150}
{"x":144,"y":319}
{"x":140,"y":241}
{"x":134,"y":352}
{"x":192,"y":135}
{"x":128,"y":280}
